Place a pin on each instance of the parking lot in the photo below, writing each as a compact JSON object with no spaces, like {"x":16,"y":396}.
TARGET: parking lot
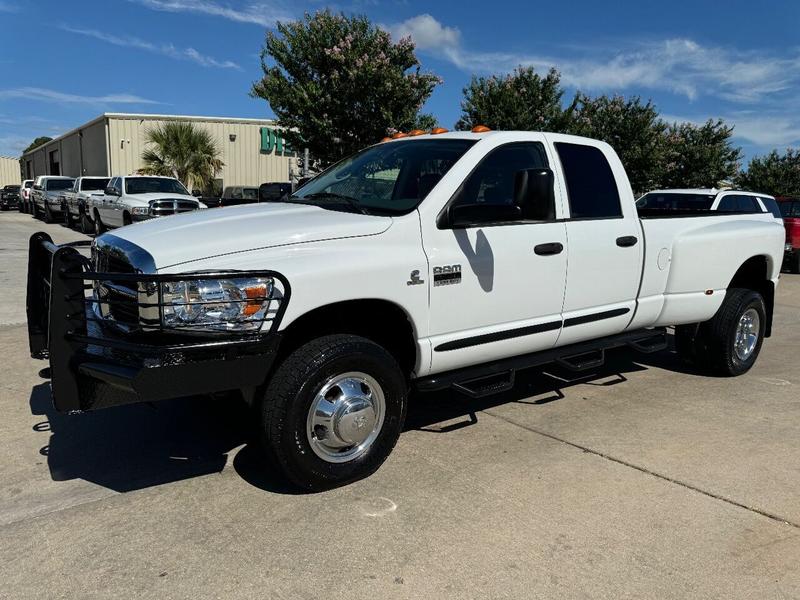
{"x":641,"y":480}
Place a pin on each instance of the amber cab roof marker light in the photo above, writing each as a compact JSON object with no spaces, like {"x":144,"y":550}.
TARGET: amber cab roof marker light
{"x":480,"y":129}
{"x":417,"y":132}
{"x":399,"y":135}
{"x":438,"y":130}
{"x":386,"y":139}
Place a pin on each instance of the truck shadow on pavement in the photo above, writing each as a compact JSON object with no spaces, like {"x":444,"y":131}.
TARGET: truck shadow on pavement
{"x":144,"y":445}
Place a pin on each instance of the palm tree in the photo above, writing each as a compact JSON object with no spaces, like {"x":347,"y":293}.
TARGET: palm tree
{"x":184,"y":151}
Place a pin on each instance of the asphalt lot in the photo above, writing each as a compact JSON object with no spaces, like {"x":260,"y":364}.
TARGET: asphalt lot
{"x":643,"y":481}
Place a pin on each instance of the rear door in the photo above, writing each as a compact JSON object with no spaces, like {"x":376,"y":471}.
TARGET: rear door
{"x":605,"y":245}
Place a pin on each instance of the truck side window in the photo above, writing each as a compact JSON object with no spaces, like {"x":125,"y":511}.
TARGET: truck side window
{"x":118,"y":185}
{"x":591,"y":187}
{"x":492,"y":181}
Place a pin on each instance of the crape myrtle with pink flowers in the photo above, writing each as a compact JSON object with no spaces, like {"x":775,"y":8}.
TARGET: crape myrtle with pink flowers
{"x":339,"y":83}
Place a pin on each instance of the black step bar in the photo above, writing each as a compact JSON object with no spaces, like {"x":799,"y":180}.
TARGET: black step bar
{"x":580,"y":356}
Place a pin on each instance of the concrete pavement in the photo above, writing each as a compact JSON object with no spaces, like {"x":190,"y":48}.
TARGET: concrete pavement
{"x":642,"y":481}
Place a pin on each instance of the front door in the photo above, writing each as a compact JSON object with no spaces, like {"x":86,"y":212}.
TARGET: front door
{"x":496,"y":288}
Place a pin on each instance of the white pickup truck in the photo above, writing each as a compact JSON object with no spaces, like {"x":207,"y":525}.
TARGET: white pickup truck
{"x":429,"y":261}
{"x":133,"y":198}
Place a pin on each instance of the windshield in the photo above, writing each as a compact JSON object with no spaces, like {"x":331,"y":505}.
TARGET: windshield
{"x":149,"y":185}
{"x":11,"y":188}
{"x":670,"y":201}
{"x":29,"y":184}
{"x":60,"y":184}
{"x":390,"y":178}
{"x":250,"y":193}
{"x":90,"y":185}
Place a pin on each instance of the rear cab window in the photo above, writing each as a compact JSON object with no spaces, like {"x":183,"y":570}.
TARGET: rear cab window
{"x":790,"y":209}
{"x":591,"y":187}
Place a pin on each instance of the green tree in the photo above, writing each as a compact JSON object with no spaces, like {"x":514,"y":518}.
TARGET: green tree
{"x":37,"y":142}
{"x":632,"y":128}
{"x":182,"y":150}
{"x":522,"y":100}
{"x":698,"y":155}
{"x":774,"y":173}
{"x":338,"y":83}
{"x":34,"y":144}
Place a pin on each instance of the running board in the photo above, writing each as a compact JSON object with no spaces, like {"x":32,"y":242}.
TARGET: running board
{"x":498,"y":376}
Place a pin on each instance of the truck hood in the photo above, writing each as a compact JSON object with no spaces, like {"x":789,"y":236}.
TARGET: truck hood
{"x":213,"y":232}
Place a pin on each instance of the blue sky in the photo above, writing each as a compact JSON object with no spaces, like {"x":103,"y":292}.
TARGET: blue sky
{"x":64,"y":62}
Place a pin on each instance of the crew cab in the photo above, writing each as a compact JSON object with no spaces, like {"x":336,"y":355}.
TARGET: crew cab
{"x":790,"y":210}
{"x":46,"y":196}
{"x":9,"y":197}
{"x":133,"y":198}
{"x":441,"y":260}
{"x":25,"y":190}
{"x":76,"y":201}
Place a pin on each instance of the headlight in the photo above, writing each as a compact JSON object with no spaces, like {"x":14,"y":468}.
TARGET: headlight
{"x":140,"y":210}
{"x":216,"y":304}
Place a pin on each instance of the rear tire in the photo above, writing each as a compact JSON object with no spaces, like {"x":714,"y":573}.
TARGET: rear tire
{"x":87,"y":226}
{"x":363,"y":389}
{"x":730,"y":342}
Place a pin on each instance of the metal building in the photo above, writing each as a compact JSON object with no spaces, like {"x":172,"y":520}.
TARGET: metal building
{"x":9,"y":171}
{"x":253,"y":150}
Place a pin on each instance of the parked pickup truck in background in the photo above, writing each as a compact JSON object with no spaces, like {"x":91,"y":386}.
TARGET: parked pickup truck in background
{"x":232,"y":196}
{"x":25,"y":196}
{"x":139,"y":198}
{"x":436,"y":261}
{"x":46,"y":196}
{"x":76,"y":201}
{"x":9,"y":197}
{"x":790,"y":210}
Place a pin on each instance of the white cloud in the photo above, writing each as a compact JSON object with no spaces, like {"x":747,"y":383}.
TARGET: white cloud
{"x":13,"y":145}
{"x":165,"y":49}
{"x":258,"y":13}
{"x":46,"y":95}
{"x":681,"y":66}
{"x":765,"y":129}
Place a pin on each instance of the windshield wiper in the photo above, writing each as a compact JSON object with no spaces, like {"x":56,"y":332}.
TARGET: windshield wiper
{"x":334,"y":196}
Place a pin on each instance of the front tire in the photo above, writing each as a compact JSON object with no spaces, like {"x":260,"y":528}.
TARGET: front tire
{"x":99,"y":228}
{"x":333,"y":411}
{"x":48,"y":215}
{"x":68,"y":221}
{"x":794,"y":262}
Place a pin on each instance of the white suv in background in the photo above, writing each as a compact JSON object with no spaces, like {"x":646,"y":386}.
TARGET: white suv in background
{"x":701,"y":200}
{"x":140,"y":197}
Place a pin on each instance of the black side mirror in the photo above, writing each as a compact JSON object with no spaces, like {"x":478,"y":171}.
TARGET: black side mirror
{"x":469,"y":215}
{"x":533,"y":193}
{"x":110,"y":191}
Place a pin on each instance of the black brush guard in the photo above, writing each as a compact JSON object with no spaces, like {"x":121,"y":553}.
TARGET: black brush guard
{"x":93,"y":364}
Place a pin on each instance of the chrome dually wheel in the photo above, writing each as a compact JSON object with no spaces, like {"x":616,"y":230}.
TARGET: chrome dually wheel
{"x":345,"y":417}
{"x":748,"y":331}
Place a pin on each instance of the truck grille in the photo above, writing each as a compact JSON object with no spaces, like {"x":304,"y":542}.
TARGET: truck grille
{"x":161,"y":208}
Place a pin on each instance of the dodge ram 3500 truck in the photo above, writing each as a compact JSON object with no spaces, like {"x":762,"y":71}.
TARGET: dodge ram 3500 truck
{"x":443,"y":260}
